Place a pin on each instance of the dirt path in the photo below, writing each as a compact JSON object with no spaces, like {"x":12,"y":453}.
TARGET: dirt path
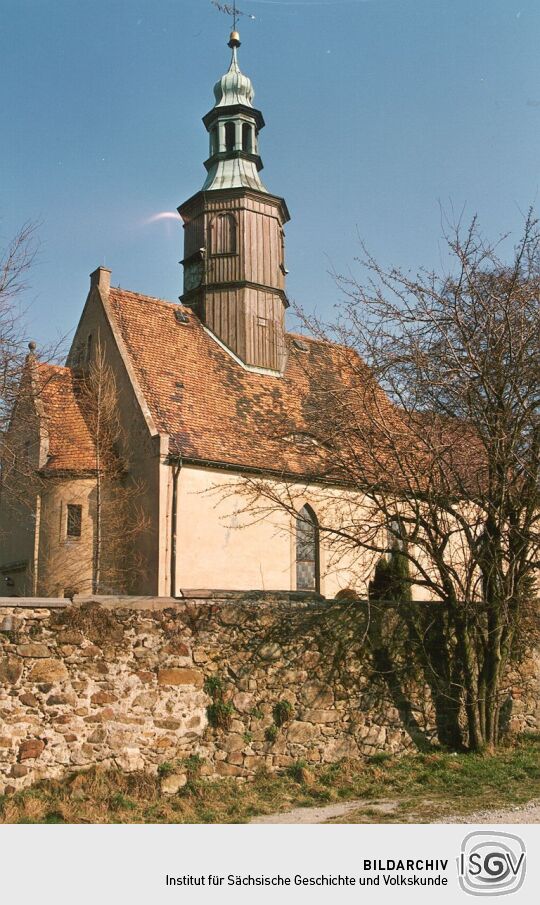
{"x":525,"y":813}
{"x":528,"y":813}
{"x":326,"y":812}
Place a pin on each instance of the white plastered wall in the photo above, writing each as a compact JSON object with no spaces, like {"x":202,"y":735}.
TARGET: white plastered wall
{"x":65,"y":563}
{"x":220,"y":545}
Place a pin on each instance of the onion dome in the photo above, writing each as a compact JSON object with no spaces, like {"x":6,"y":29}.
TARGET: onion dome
{"x":234,"y":87}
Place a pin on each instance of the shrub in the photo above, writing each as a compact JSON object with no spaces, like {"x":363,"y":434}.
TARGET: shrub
{"x":391,"y":582}
{"x":282,"y":712}
{"x":300,"y":772}
{"x":193,"y":765}
{"x":220,"y":714}
{"x":213,"y":686}
{"x":271,"y":733}
{"x":347,"y":594}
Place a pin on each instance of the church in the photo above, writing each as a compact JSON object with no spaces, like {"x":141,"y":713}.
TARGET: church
{"x":211,"y":393}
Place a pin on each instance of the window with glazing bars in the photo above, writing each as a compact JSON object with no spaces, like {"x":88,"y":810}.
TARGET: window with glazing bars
{"x":74,"y":520}
{"x":307,"y":550}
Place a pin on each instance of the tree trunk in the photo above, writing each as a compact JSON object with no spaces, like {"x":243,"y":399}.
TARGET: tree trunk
{"x":470,"y":680}
{"x":97,"y":540}
{"x":385,"y":667}
{"x":430,"y":642}
{"x":96,"y":577}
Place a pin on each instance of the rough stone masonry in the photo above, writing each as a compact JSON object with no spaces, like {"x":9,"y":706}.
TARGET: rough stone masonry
{"x":244,"y":684}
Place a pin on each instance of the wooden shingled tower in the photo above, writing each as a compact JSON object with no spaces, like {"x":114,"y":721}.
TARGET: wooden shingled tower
{"x":234,"y":268}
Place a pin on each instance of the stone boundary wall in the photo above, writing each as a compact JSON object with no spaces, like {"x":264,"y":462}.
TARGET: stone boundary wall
{"x":125,"y":682}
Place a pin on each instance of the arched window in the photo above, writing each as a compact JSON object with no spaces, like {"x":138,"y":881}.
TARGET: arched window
{"x":224,"y":235}
{"x":246,"y":138}
{"x":307,"y":551}
{"x":397,"y":536}
{"x":230,"y":136}
{"x":214,"y":141}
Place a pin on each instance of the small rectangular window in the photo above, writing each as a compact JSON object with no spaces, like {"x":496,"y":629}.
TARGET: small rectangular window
{"x":74,"y":520}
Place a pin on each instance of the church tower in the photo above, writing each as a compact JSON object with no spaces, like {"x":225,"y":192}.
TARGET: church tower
{"x":234,"y":268}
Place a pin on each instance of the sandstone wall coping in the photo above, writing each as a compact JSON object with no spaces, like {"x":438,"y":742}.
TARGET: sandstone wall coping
{"x":197,"y":598}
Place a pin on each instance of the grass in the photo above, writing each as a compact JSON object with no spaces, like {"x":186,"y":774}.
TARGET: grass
{"x":424,"y":786}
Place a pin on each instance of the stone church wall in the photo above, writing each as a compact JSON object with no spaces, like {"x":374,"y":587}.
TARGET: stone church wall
{"x":138,"y":682}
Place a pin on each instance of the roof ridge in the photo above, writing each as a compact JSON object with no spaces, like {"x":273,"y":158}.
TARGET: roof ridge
{"x":46,"y":365}
{"x":305,"y":337}
{"x":323,"y":342}
{"x":141,"y":295}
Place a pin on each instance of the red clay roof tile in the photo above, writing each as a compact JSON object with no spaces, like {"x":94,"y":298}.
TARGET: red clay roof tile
{"x":70,"y":443}
{"x":217,"y":411}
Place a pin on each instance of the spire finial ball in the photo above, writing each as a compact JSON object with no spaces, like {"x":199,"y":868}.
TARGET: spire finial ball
{"x":32,"y":346}
{"x":234,"y":40}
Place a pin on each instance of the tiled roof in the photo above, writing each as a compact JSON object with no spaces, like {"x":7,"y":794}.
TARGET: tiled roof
{"x":70,"y":443}
{"x":312,"y":422}
{"x":215,"y":410}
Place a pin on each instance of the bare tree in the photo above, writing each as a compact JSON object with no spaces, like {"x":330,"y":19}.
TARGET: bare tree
{"x":17,"y":452}
{"x":444,"y":462}
{"x":15,"y":263}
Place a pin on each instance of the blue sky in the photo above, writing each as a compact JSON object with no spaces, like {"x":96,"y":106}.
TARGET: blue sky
{"x":378,"y":112}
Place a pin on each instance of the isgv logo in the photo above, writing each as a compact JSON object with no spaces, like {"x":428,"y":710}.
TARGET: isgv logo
{"x":491,"y":864}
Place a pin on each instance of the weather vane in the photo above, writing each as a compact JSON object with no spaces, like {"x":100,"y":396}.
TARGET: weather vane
{"x":231,"y":9}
